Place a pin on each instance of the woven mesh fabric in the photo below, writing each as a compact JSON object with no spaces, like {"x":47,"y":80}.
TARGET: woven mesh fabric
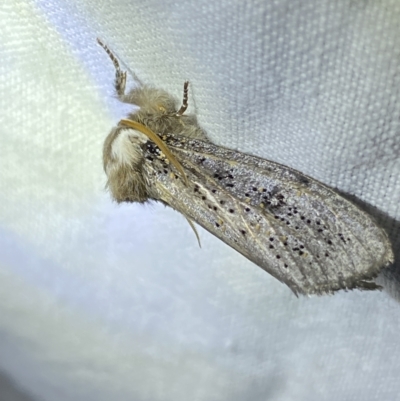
{"x":99,"y":301}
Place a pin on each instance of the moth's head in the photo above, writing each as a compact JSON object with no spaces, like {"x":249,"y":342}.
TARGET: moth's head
{"x":152,"y":101}
{"x":123,"y":164}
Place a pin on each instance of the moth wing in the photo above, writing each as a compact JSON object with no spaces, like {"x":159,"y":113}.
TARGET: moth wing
{"x":294,"y":227}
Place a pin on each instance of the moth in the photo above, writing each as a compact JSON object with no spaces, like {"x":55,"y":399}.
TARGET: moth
{"x":297,"y":229}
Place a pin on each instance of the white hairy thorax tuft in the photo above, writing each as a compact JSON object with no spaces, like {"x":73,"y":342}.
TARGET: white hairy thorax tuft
{"x":122,"y":150}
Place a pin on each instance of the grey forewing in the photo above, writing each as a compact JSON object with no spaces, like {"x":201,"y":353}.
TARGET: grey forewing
{"x":296,"y":228}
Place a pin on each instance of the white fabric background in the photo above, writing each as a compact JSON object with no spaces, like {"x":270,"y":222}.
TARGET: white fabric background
{"x":101,"y":302}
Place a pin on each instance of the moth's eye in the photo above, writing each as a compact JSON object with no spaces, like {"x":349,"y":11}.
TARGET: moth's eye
{"x":162,"y":108}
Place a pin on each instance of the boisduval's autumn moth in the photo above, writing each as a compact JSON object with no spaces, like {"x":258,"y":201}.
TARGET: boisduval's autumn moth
{"x":294,"y":227}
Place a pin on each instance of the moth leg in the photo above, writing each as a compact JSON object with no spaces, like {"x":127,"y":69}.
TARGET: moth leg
{"x":185,"y":99}
{"x":193,"y":227}
{"x":120,"y":76}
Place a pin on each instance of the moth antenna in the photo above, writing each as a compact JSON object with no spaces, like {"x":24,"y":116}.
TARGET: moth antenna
{"x":110,"y":54}
{"x":120,"y":76}
{"x":163,"y":147}
{"x":185,"y":99}
{"x":194,"y":229}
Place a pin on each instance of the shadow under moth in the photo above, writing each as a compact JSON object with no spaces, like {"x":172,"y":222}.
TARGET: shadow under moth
{"x":297,"y":229}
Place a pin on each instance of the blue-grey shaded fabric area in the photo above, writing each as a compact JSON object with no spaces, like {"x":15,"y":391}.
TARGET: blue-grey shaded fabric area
{"x":100,"y":301}
{"x":10,"y":392}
